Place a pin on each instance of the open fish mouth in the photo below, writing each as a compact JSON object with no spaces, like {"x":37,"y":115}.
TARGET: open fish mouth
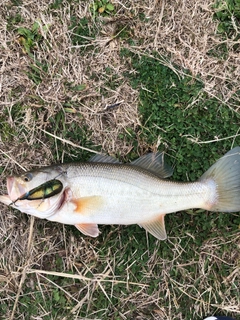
{"x":15,"y":189}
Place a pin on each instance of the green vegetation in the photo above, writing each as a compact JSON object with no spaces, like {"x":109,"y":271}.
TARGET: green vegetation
{"x":82,"y":32}
{"x":176,"y":111}
{"x":104,"y":7}
{"x":29,"y":38}
{"x":228,"y":14}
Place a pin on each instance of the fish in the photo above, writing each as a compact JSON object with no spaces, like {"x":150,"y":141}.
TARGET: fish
{"x":218,"y":318}
{"x":106,"y":191}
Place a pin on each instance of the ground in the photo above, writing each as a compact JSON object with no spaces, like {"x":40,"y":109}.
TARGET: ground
{"x":121,"y":78}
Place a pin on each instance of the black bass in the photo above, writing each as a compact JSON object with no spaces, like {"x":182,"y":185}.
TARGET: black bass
{"x":105,"y":191}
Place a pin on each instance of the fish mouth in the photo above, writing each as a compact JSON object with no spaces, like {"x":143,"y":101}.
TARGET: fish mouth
{"x":6,"y":198}
{"x":10,"y":181}
{"x":15,"y":189}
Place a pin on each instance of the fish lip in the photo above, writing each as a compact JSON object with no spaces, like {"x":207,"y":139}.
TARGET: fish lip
{"x":15,"y":189}
{"x":5,"y":199}
{"x":10,"y":181}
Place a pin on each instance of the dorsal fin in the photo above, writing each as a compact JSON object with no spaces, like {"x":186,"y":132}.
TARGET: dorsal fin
{"x":154,"y":162}
{"x":103,"y":159}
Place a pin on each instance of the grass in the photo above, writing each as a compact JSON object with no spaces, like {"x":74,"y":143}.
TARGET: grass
{"x":177,"y":111}
{"x":75,"y":80}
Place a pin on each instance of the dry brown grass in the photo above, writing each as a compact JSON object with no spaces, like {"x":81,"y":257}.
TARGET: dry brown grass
{"x":31,"y":249}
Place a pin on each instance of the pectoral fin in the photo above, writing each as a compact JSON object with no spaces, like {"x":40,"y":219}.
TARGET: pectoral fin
{"x":86,"y":205}
{"x":88,"y":229}
{"x":156,"y":227}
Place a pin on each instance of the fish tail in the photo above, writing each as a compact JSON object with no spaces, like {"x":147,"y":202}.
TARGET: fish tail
{"x":225,"y":175}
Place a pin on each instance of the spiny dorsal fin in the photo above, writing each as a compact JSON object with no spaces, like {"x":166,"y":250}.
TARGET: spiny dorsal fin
{"x":154,"y":162}
{"x":156,"y":227}
{"x":103,"y":159}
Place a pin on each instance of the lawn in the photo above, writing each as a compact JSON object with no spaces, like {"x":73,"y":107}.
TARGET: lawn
{"x":122,"y":78}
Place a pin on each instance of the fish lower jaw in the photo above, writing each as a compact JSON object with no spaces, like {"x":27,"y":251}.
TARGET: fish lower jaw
{"x":5,"y":199}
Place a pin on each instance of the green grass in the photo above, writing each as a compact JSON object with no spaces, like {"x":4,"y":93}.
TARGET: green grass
{"x":227,"y":12}
{"x":83,"y":32}
{"x":176,"y":110}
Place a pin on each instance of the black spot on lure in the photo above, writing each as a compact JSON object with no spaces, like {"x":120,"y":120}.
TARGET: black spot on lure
{"x":44,"y":191}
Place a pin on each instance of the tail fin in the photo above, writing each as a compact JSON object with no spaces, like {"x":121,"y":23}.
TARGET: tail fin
{"x":226,"y":175}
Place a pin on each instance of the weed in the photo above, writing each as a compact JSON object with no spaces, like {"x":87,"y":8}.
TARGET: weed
{"x":37,"y":71}
{"x":29,"y":38}
{"x":75,"y":88}
{"x":14,"y":20}
{"x":6,"y":130}
{"x":228,"y":14}
{"x":102,"y":7}
{"x":56,"y":4}
{"x":82,"y":32}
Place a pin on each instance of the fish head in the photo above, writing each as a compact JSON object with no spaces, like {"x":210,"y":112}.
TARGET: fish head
{"x":19,"y":186}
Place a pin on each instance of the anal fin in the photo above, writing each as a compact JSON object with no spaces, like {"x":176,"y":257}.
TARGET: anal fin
{"x":156,"y":227}
{"x":89,"y":229}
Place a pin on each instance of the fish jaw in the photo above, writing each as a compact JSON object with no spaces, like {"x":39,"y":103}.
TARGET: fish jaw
{"x":15,"y":188}
{"x":14,"y":191}
{"x":5,"y":199}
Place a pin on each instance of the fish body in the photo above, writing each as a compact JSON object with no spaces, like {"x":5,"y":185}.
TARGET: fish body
{"x":104,"y":191}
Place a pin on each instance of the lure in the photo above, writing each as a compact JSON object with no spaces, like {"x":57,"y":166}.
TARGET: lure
{"x":44,"y":191}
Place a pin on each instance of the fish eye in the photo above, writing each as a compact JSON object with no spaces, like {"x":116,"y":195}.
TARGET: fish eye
{"x":27,"y":177}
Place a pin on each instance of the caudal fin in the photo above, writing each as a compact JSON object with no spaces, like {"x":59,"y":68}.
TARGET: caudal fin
{"x":226,"y":175}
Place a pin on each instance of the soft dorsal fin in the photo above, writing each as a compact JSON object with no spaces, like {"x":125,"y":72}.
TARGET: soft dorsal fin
{"x":156,"y":227}
{"x":103,"y":159}
{"x":154,"y":162}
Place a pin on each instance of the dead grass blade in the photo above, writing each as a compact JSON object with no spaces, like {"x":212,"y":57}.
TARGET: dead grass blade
{"x":69,"y":142}
{"x":98,"y":278}
{"x":24,"y":271}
